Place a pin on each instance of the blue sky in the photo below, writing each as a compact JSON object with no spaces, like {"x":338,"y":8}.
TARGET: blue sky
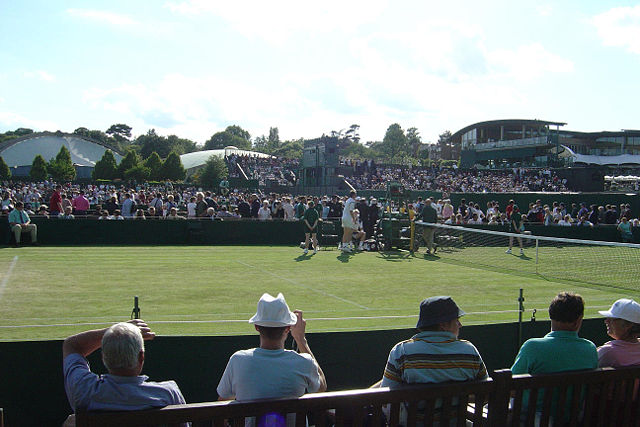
{"x":193,"y":67}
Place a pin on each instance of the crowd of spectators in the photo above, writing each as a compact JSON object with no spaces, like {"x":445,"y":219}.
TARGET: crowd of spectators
{"x":452,"y":180}
{"x":272,"y":170}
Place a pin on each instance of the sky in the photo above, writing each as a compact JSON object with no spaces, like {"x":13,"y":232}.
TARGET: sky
{"x":193,"y":67}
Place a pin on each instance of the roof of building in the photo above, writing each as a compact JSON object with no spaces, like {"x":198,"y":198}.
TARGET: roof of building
{"x":506,"y":122}
{"x":84,"y":151}
{"x":199,"y":158}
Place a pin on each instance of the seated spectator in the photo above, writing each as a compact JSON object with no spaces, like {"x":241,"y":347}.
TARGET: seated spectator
{"x":42,"y":211}
{"x":105,"y":215}
{"x":561,"y":349}
{"x":224,"y":213}
{"x":173,"y":214}
{"x":117,"y":215}
{"x":625,"y":230}
{"x":67,"y":213}
{"x":139,"y":214}
{"x":434,"y":354}
{"x":123,"y":388}
{"x":584,"y":222}
{"x":623,"y":325}
{"x":151,"y":212}
{"x":211,"y":213}
{"x":565,"y":222}
{"x":270,"y":371}
{"x":20,"y":222}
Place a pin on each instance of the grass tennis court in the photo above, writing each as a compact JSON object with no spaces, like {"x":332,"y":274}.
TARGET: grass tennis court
{"x":52,"y":292}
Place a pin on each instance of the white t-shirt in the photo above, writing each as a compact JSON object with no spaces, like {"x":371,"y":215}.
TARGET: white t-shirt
{"x":349,"y":206}
{"x":262,"y":374}
{"x":266,"y":374}
{"x":191,"y":209}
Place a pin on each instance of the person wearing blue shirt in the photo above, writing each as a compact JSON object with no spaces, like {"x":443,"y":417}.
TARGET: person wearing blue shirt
{"x":123,"y":388}
{"x":20,"y":222}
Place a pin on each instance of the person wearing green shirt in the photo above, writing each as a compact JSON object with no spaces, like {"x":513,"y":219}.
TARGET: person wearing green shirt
{"x":20,"y":222}
{"x":310,"y":220}
{"x":560,"y":350}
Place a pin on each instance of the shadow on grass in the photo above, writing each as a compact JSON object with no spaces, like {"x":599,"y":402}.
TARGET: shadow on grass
{"x":345,"y":256}
{"x":395,"y":256}
{"x":303,"y":257}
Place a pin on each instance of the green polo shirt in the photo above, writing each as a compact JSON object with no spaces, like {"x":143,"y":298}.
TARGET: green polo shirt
{"x":557,"y":351}
{"x":311,"y":215}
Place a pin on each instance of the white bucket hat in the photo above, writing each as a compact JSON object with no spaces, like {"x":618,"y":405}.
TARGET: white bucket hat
{"x":624,"y":308}
{"x":273,"y":312}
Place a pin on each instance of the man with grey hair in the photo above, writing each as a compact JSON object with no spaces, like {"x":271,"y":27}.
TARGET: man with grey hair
{"x":123,"y":388}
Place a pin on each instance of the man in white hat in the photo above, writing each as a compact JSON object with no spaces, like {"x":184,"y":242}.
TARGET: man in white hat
{"x":623,"y":325}
{"x":270,"y":371}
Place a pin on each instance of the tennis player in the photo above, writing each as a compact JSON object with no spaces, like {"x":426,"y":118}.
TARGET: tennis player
{"x":348,"y":222}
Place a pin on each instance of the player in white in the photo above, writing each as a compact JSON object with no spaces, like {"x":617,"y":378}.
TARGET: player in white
{"x":348,"y":222}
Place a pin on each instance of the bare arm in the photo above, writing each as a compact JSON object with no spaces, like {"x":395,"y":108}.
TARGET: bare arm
{"x":87,"y":342}
{"x":298,"y":334}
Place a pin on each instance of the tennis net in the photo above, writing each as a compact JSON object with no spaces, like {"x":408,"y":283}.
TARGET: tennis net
{"x":604,"y":263}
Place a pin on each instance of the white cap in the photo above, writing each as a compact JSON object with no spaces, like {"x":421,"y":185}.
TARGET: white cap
{"x":273,"y":312}
{"x":624,"y":308}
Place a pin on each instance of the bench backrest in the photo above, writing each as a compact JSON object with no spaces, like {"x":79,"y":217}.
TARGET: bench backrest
{"x":600,"y":397}
{"x":437,"y":402}
{"x":606,"y":397}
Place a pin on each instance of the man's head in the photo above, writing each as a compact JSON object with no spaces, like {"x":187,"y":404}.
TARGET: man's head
{"x":566,"y":311}
{"x":273,"y":318}
{"x":439,"y":313}
{"x":123,"y":349}
{"x":19,"y":206}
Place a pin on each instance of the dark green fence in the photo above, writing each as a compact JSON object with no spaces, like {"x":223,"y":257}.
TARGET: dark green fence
{"x":32,"y":393}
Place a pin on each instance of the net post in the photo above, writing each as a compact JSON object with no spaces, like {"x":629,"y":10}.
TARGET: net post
{"x":520,"y":311}
{"x":537,"y":242}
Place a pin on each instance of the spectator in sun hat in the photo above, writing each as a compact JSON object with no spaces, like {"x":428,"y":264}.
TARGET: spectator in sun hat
{"x":435,"y":354}
{"x":270,"y":371}
{"x":623,"y":325}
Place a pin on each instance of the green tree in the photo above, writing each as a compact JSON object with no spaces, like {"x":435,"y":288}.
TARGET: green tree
{"x":447,"y":149}
{"x":120,"y":132}
{"x":172,"y":168}
{"x":394,"y":144}
{"x":291,"y":149}
{"x":138,"y":173}
{"x":61,"y":168}
{"x":261,"y":144}
{"x":232,"y":135}
{"x":106,"y":167}
{"x":130,"y":161}
{"x":38,"y":170}
{"x":236,"y":130}
{"x":13,"y":134}
{"x":414,"y":141}
{"x":154,"y":164}
{"x":273,"y":142}
{"x":5,"y":172}
{"x":214,"y":170}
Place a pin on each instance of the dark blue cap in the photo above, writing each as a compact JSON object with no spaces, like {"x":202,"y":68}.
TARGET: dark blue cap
{"x":436,"y":310}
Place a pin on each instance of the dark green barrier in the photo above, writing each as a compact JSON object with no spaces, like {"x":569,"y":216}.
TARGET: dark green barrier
{"x":32,"y":392}
{"x":164,"y":232}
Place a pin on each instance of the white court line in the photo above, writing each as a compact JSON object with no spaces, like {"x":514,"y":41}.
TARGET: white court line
{"x":409,"y":316}
{"x":6,"y":277}
{"x":305,"y":286}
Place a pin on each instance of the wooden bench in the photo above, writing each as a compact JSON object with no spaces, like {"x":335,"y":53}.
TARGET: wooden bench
{"x":602,"y":397}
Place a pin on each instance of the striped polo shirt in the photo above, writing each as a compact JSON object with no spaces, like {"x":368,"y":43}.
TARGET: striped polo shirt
{"x":433,"y":357}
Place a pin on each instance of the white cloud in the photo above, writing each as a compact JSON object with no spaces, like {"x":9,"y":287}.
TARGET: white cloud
{"x":104,"y":17}
{"x":278,"y":20}
{"x":620,"y":27}
{"x":39,"y":74}
{"x":529,"y":61}
{"x":11,"y":121}
{"x":544,"y":9}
